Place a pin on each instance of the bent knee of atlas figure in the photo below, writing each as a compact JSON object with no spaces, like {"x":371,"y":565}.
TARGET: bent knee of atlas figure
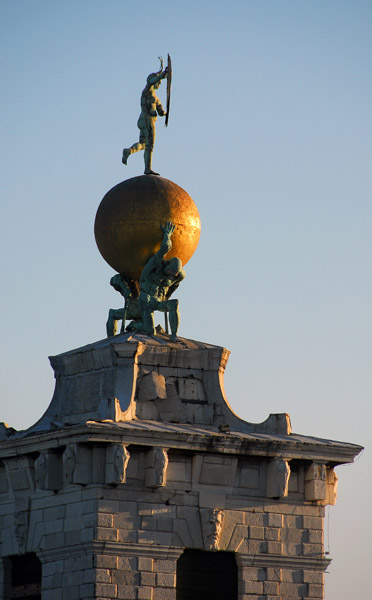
{"x":114,"y":316}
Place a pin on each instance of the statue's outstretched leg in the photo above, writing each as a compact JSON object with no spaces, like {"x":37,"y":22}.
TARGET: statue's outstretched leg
{"x":128,"y":151}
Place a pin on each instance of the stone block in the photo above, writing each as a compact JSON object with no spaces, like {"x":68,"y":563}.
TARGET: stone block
{"x":312,"y":550}
{"x":251,"y":587}
{"x":109,"y":590}
{"x":314,"y":590}
{"x":126,"y":577}
{"x":212,"y":499}
{"x":293,"y":521}
{"x":165,"y":580}
{"x":271,"y":587}
{"x":145,"y":564}
{"x":164,"y":594}
{"x":274,"y":547}
{"x":179,"y":471}
{"x":102,"y":561}
{"x":274,"y":520}
{"x":87,"y":591}
{"x":249,"y":477}
{"x":165,"y":566}
{"x":158,"y":538}
{"x":128,"y":535}
{"x":70,"y":592}
{"x":272,"y":534}
{"x":256,"y":533}
{"x":53,"y":594}
{"x":253,"y":573}
{"x":147,"y":579}
{"x":106,"y":534}
{"x":315,"y":536}
{"x":147,"y":411}
{"x":151,"y":387}
{"x":313,"y":577}
{"x":126,"y":563}
{"x":144,"y":593}
{"x":215,"y":474}
{"x":291,"y":535}
{"x":274,"y":574}
{"x":312,"y":522}
{"x":104,"y":576}
{"x":87,"y":534}
{"x":50,"y":568}
{"x":254,"y":519}
{"x":292,"y":575}
{"x":52,"y":581}
{"x":126,"y":592}
{"x":105,"y":520}
{"x":54,"y":526}
{"x":292,"y":549}
{"x":148,"y":523}
{"x":292,"y":590}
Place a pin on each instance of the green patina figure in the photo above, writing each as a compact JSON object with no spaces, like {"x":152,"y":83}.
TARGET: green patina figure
{"x":129,"y":289}
{"x":151,"y":107}
{"x":159,"y":279}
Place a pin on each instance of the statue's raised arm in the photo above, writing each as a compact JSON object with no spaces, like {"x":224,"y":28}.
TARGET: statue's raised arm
{"x":151,"y":107}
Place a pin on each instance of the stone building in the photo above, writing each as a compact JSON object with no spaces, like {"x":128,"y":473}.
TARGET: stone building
{"x":140,"y":482}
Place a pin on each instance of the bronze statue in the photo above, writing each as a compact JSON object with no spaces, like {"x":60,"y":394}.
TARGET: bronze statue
{"x":151,"y":107}
{"x":159,"y":279}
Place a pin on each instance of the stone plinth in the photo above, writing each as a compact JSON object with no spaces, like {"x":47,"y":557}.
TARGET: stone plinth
{"x":140,"y":461}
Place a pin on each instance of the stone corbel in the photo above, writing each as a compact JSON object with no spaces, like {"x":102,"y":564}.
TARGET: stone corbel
{"x":331,"y":487}
{"x":77,"y":464}
{"x":277,"y":478}
{"x":156,"y":467}
{"x":117,"y":459}
{"x":48,"y":471}
{"x":315,"y":482}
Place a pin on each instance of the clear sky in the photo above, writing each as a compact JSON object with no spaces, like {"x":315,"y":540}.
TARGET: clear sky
{"x":270,"y":133}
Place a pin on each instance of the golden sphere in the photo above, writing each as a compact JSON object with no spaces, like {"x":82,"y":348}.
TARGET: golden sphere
{"x":128,"y":223}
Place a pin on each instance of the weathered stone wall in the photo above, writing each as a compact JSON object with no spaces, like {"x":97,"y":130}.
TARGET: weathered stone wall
{"x":111,"y":520}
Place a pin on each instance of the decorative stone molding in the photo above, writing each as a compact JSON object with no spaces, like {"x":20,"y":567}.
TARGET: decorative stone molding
{"x":156,"y":467}
{"x":211,"y":522}
{"x":117,"y":459}
{"x":277,"y":478}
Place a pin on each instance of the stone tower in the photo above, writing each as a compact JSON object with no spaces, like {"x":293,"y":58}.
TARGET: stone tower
{"x":140,"y":482}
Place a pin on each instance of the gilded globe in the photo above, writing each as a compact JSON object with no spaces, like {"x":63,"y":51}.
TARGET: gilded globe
{"x":129,"y":219}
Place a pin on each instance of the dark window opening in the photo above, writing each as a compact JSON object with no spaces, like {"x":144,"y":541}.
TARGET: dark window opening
{"x":207,"y":576}
{"x":26,"y":577}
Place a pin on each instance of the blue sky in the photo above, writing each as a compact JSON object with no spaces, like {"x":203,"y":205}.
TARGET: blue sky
{"x":270,"y":133}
